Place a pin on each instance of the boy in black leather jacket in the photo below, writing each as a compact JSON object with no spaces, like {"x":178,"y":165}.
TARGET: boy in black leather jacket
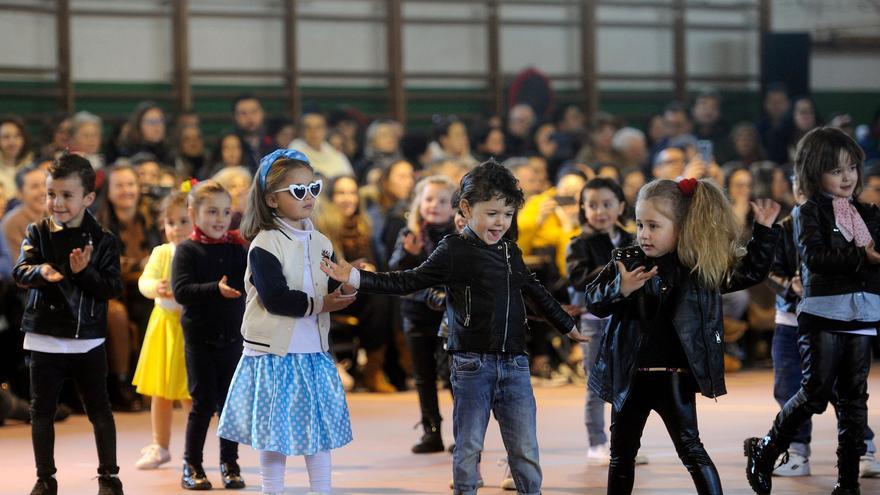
{"x":71,"y":267}
{"x":485,"y":280}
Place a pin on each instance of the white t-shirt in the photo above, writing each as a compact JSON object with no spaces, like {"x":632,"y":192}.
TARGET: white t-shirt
{"x":59,"y":345}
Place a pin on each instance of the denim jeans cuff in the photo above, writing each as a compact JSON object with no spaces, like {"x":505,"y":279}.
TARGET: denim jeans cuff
{"x":800,"y":449}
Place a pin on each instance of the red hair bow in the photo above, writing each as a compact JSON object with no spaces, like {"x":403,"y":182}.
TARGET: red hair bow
{"x":687,"y":186}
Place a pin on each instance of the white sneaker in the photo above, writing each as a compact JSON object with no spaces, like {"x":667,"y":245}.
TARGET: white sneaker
{"x":153,"y":457}
{"x":869,"y":467}
{"x":796,"y":465}
{"x":598,"y":455}
{"x":641,"y":459}
{"x":480,"y":482}
{"x":507,"y":482}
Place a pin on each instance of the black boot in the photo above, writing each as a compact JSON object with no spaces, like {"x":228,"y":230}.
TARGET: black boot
{"x":761,"y":454}
{"x":45,"y":486}
{"x":194,"y":477}
{"x":431,"y":440}
{"x":847,"y":474}
{"x":231,"y":473}
{"x":109,"y":485}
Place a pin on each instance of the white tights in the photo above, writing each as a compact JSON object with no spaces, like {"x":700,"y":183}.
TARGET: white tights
{"x":272,"y":471}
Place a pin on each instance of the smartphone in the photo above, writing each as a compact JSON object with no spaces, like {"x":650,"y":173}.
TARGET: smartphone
{"x":633,"y":257}
{"x":706,"y":149}
{"x":565,"y":200}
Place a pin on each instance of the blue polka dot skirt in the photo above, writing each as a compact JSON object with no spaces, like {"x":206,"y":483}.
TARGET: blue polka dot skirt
{"x":293,"y":404}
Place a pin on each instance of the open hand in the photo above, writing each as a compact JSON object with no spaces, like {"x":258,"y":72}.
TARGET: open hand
{"x":79,"y":258}
{"x":336,"y":300}
{"x":765,"y":211}
{"x":797,"y":286}
{"x":50,"y":274}
{"x":227,"y":291}
{"x":634,"y":280}
{"x":576,"y":336}
{"x":337,"y":271}
{"x":872,"y":254}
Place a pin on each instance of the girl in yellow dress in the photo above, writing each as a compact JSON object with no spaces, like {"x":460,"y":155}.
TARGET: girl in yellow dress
{"x":161,"y":371}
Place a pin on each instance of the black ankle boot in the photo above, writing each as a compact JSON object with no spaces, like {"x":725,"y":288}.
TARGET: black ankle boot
{"x":847,"y":474}
{"x":431,"y":440}
{"x":109,"y":485}
{"x":45,"y":486}
{"x":761,"y":454}
{"x":194,"y":477}
{"x":231,"y":473}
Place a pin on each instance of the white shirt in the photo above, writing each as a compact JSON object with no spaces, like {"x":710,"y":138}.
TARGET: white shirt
{"x":59,"y":345}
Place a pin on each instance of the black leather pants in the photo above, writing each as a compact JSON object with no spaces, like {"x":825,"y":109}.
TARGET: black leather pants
{"x":826,"y":358}
{"x":673,"y":396}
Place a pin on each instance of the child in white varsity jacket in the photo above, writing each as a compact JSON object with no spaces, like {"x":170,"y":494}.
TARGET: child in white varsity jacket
{"x":286,"y":397}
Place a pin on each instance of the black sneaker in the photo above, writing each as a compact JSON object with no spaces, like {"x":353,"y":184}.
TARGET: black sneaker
{"x":231,"y":473}
{"x":761,"y":454}
{"x":109,"y":485}
{"x":45,"y":486}
{"x":194,"y":477}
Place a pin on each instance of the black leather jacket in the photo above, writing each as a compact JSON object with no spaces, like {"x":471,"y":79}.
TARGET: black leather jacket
{"x":75,"y":307}
{"x":696,"y":317}
{"x":786,"y":265}
{"x":829,"y":264}
{"x":485,"y":285}
{"x":587,"y":254}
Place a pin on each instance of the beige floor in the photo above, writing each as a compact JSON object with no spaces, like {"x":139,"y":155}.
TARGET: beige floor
{"x":379,"y":462}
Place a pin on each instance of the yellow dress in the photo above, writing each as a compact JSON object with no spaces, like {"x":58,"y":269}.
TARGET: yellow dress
{"x":161,"y":370}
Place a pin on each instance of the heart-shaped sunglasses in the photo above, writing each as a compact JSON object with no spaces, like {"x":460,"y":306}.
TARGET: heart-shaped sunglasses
{"x":299,"y":191}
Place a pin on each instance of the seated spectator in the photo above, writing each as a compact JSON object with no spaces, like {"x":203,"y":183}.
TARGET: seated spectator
{"x":550,"y":219}
{"x":30,"y":182}
{"x":451,"y":141}
{"x":771,"y":125}
{"x":570,"y":130}
{"x":382,"y":146}
{"x":709,"y":124}
{"x":677,"y":126}
{"x":871,"y":192}
{"x":237,"y":182}
{"x":450,"y":168}
{"x":344,"y":221}
{"x":631,"y":181}
{"x":146,"y":132}
{"x":868,"y":137}
{"x":188,"y":150}
{"x":387,"y":207}
{"x":281,"y":130}
{"x":14,"y":152}
{"x":738,"y":184}
{"x":770,"y":181}
{"x":527,"y":175}
{"x":347,"y":125}
{"x":85,"y":137}
{"x":669,"y":164}
{"x":747,"y":147}
{"x":123,"y":212}
{"x":488,"y":142}
{"x":655,"y":130}
{"x":632,"y":147}
{"x":803,"y":118}
{"x":229,"y":152}
{"x":56,"y":135}
{"x":520,"y":121}
{"x":600,"y":147}
{"x":248,"y":115}
{"x":325,"y":159}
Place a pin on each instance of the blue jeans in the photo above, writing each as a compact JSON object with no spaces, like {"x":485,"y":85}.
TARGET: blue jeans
{"x":594,"y":408}
{"x":501,"y":384}
{"x":787,"y":377}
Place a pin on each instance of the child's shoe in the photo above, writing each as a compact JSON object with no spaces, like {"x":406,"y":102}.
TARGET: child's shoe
{"x":598,"y":455}
{"x":641,"y":459}
{"x":231,"y":473}
{"x":45,"y":486}
{"x":153,"y":457}
{"x":868,"y":466}
{"x":194,"y":477}
{"x":797,"y":465}
{"x":507,"y":482}
{"x":109,"y":484}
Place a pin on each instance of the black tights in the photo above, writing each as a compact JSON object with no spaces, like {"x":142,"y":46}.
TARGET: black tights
{"x":672,"y":395}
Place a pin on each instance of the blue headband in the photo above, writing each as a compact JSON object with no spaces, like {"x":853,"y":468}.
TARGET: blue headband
{"x":267,"y":161}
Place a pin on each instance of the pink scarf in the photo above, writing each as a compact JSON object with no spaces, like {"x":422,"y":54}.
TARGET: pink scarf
{"x":850,"y":222}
